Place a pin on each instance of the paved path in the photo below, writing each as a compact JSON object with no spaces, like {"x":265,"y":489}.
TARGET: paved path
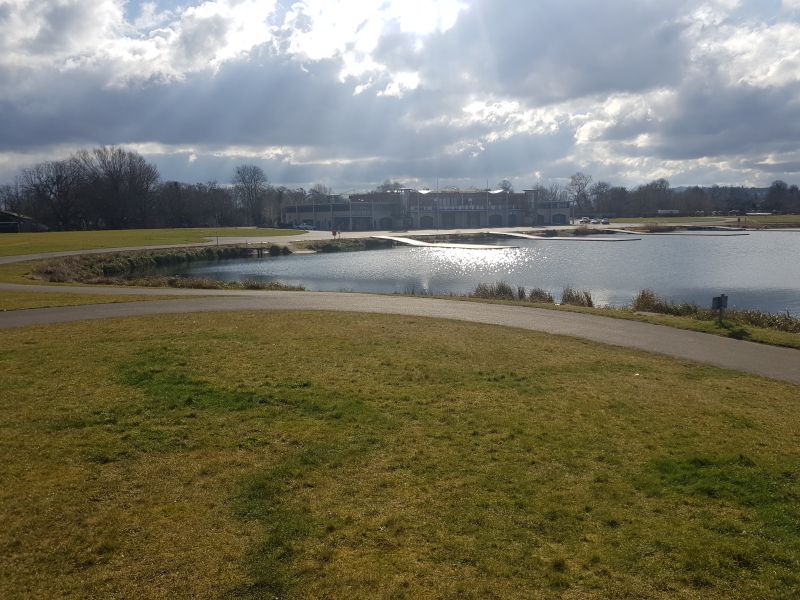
{"x":758,"y":359}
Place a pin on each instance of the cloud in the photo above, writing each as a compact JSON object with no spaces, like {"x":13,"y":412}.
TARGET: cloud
{"x":349,"y":93}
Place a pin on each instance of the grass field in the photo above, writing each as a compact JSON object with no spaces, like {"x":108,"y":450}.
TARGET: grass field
{"x":308,"y":455}
{"x":788,"y":220}
{"x":670,"y":219}
{"x":57,"y":241}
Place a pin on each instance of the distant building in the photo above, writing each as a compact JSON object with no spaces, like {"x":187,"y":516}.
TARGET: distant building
{"x":546,"y":211}
{"x":423,"y":209}
{"x":11,"y":222}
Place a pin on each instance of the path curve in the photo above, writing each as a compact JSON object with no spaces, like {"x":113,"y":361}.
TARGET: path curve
{"x":758,"y":359}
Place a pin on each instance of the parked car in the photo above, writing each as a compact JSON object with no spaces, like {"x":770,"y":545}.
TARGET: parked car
{"x":595,"y":222}
{"x":604,"y":221}
{"x":584,"y":220}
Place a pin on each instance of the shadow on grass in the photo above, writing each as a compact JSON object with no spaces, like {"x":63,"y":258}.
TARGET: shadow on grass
{"x":734,"y":331}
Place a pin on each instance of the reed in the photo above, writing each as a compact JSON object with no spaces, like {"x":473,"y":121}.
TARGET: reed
{"x":577,"y":297}
{"x":494,"y":291}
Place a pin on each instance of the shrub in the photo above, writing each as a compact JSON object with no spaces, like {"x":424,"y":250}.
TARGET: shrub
{"x":576,"y":297}
{"x":540,"y":295}
{"x":497,"y":291}
{"x":274,"y":250}
{"x":648,"y":301}
{"x":656,"y":228}
{"x":781,"y":321}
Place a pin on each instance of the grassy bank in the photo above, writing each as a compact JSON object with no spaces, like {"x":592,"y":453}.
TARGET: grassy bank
{"x":13,"y":244}
{"x":134,"y":268}
{"x":310,"y":455}
{"x":343,"y":245}
{"x":780,"y":329}
{"x":759,"y":220}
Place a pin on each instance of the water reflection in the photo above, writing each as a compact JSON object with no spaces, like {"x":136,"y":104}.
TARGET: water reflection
{"x":466,"y":261}
{"x":761,"y":270}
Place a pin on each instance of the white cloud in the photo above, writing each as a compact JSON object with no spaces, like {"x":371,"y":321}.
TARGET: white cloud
{"x":351,"y":30}
{"x":93,"y":34}
{"x":628,"y":88}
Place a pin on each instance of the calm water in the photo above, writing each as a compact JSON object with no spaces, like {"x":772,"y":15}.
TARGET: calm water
{"x":760,"y":270}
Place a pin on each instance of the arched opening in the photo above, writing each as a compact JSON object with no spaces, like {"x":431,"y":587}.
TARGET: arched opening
{"x":426,"y":222}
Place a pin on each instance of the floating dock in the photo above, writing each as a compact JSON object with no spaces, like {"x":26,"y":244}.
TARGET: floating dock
{"x":585,"y":238}
{"x":412,"y":242}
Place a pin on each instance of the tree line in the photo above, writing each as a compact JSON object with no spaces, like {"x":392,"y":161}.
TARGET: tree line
{"x":113,"y":188}
{"x":647,"y":199}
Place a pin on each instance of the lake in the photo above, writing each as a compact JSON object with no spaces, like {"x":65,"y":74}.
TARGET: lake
{"x":760,"y":270}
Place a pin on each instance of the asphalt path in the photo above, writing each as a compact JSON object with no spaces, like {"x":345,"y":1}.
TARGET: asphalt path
{"x":758,"y":359}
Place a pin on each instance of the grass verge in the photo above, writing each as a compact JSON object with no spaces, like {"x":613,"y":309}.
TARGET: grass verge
{"x":25,"y":300}
{"x":366,"y":456}
{"x":62,"y":241}
{"x":756,"y":326}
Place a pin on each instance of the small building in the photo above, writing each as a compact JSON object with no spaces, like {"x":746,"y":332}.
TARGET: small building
{"x":11,"y":222}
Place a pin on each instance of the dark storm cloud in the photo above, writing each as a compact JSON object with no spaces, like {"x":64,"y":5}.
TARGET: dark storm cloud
{"x":792,"y":166}
{"x":550,"y":50}
{"x":713,"y":119}
{"x":520,"y":154}
{"x":267,"y":100}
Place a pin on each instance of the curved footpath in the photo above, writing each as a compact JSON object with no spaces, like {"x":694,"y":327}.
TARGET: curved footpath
{"x":758,"y":359}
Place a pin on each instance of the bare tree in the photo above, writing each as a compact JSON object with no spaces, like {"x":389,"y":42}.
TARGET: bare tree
{"x":506,"y":186}
{"x":12,"y":197}
{"x":320,"y":189}
{"x":389,"y":186}
{"x":120,"y":185}
{"x":54,"y":184}
{"x":578,"y":190}
{"x":250,"y":186}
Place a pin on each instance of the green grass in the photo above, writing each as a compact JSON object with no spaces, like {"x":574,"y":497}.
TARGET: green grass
{"x":675,"y":219}
{"x":25,"y":300}
{"x":773,"y":220}
{"x":303,"y":455}
{"x":18,"y":272}
{"x":30,"y":243}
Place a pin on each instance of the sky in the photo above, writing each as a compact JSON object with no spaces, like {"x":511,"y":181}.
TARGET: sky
{"x":349,"y":93}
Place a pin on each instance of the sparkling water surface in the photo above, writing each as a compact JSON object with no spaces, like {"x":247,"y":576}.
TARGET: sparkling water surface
{"x":760,"y":270}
